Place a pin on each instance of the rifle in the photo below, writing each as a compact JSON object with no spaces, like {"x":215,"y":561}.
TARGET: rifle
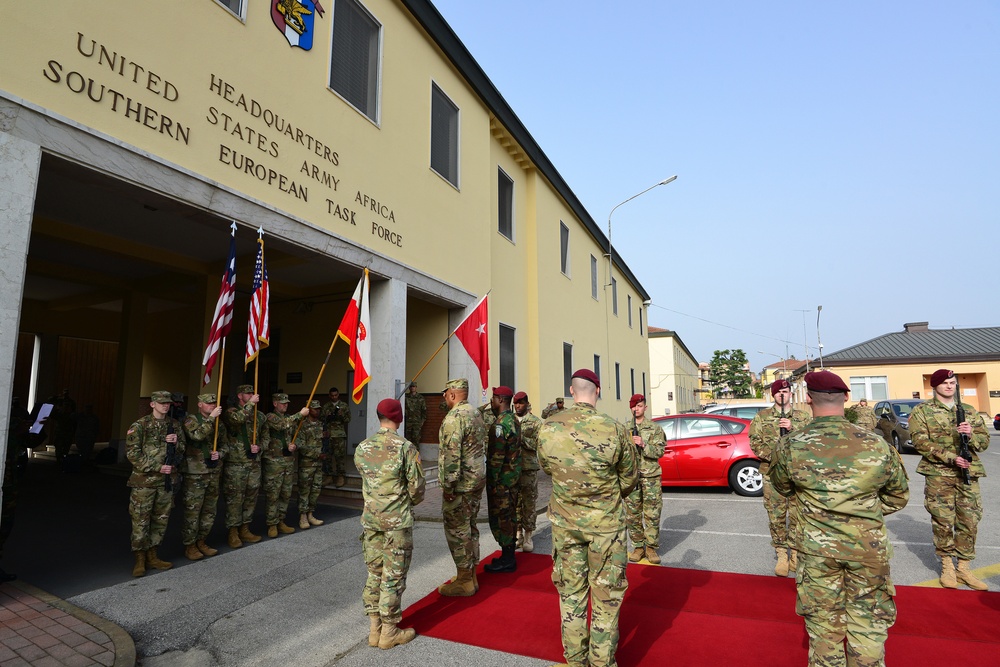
{"x":783,"y":431}
{"x":963,"y":449}
{"x":635,"y":428}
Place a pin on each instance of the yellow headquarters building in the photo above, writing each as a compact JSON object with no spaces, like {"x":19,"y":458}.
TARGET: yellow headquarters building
{"x":357,"y":134}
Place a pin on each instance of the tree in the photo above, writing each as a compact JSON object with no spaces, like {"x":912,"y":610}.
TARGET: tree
{"x":729,"y":374}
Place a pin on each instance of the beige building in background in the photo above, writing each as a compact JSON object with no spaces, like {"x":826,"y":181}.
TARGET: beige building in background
{"x":673,"y":374}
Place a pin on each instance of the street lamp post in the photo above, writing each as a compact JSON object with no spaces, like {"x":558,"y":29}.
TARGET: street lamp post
{"x":819,"y":341}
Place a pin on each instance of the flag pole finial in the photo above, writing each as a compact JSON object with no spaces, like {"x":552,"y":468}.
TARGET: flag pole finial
{"x":233,"y":227}
{"x":260,"y":231}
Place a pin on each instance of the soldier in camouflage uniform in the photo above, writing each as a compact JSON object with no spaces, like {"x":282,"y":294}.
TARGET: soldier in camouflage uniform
{"x":201,"y":477}
{"x":392,"y":482}
{"x":503,"y":475}
{"x":765,"y":429}
{"x":865,"y":415}
{"x":528,"y":485}
{"x":150,"y":501}
{"x":279,"y":464}
{"x":241,"y":474}
{"x":553,"y":408}
{"x":310,"y":449}
{"x":416,"y":414}
{"x":592,"y":462}
{"x":644,"y":505}
{"x":955,"y":507}
{"x":462,"y":477}
{"x":844,"y":480}
{"x":335,"y":415}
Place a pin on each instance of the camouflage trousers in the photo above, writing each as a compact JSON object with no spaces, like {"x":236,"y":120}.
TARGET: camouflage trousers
{"x":412,"y":431}
{"x":845,"y":600}
{"x":460,"y":529}
{"x":501,"y":506}
{"x":955,"y":511}
{"x":387,"y":555}
{"x":201,"y":501}
{"x":240,"y":485}
{"x":278,"y":475}
{"x":590,"y":568}
{"x":780,"y":512}
{"x":149,"y":508}
{"x":527,"y":503}
{"x":643,"y":508}
{"x":336,"y":450}
{"x":310,"y":483}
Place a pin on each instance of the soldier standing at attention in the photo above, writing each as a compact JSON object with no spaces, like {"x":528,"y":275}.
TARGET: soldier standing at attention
{"x":503,"y":476}
{"x":310,"y":449}
{"x":462,"y":476}
{"x":553,"y":408}
{"x":845,"y":480}
{"x":644,"y":505}
{"x":150,"y":502}
{"x":241,"y":474}
{"x":416,"y":414}
{"x":392,"y":482}
{"x":765,"y":429}
{"x":201,"y":477}
{"x":865,"y":415}
{"x":336,"y":415}
{"x":528,"y":484}
{"x":279,"y":464}
{"x":955,"y":507}
{"x":592,"y":462}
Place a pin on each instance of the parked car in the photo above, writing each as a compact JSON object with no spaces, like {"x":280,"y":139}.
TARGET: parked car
{"x":894,"y":421}
{"x":709,"y":450}
{"x":741,"y":410}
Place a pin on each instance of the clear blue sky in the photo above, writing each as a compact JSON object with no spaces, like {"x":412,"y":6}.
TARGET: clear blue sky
{"x":837,"y":154}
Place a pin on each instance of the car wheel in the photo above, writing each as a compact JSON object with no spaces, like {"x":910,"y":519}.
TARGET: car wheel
{"x":896,"y":444}
{"x":745,"y":478}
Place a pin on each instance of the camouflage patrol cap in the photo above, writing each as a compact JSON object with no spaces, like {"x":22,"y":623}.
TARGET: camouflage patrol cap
{"x":940,"y":376}
{"x":207,"y":398}
{"x":826,"y":382}
{"x":460,"y":383}
{"x":279,"y":398}
{"x":520,"y":397}
{"x":161,"y":397}
{"x":314,"y":405}
{"x":560,"y":400}
{"x":244,"y":389}
{"x":778,"y":385}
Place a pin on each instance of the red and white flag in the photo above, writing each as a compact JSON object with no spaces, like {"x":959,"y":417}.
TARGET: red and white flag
{"x":355,"y":330}
{"x":222,"y":321}
{"x":259,"y":327}
{"x":475,"y":337}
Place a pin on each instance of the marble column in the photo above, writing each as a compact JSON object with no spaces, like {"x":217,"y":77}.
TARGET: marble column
{"x":388,"y":373}
{"x":128,"y":380}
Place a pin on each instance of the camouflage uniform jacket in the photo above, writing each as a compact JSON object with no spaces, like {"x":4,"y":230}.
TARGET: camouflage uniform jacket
{"x":934,"y":434}
{"x":865,"y":417}
{"x":649,"y":456}
{"x":592,"y":462}
{"x":844,"y":480}
{"x":309,"y":442}
{"x":529,"y":441}
{"x":416,"y":409}
{"x":238,"y":421}
{"x":503,"y":455}
{"x":392,"y":480}
{"x":764,"y":431}
{"x":336,"y":417}
{"x":462,"y":452}
{"x":280,"y":429}
{"x":199,"y":432}
{"x":486,"y":412}
{"x":146,"y":449}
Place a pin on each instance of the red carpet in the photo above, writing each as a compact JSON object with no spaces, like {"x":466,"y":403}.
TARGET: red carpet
{"x":701,"y":619}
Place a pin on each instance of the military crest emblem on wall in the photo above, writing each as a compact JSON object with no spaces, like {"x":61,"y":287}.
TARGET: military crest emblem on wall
{"x":295,"y":19}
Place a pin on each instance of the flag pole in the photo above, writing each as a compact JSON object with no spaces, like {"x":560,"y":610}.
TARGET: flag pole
{"x":315,"y":385}
{"x":255,"y":367}
{"x":222,"y":359}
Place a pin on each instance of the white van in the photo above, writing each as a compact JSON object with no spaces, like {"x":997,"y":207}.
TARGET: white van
{"x":741,"y":410}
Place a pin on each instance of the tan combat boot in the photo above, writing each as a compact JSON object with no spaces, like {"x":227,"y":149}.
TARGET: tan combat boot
{"x":247,"y":536}
{"x":339,"y":482}
{"x":462,"y":586}
{"x":234,"y":538}
{"x":313,"y":521}
{"x":526,"y":544}
{"x":205,"y":549}
{"x":793,"y":560}
{"x":304,"y":521}
{"x":394,"y":636}
{"x":374,"y":629}
{"x":636,"y":555}
{"x":272,"y":531}
{"x":781,"y":567}
{"x":948,"y":579}
{"x":285,"y":529}
{"x":652,"y":556}
{"x":192,"y":552}
{"x":139,"y":568}
{"x":152,"y":560}
{"x":965,"y":576}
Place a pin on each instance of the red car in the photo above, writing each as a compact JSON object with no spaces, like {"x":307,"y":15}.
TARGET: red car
{"x":709,"y":450}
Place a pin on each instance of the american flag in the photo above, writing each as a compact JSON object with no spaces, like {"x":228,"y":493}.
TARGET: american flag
{"x":222,"y":322}
{"x":258,"y":329}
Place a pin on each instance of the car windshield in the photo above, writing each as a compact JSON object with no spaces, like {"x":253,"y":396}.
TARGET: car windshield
{"x":904,"y":409}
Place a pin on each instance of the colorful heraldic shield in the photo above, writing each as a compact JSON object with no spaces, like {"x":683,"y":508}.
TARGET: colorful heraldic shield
{"x":295,"y":19}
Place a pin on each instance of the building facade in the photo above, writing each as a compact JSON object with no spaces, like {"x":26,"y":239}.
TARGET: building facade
{"x":674,"y":377}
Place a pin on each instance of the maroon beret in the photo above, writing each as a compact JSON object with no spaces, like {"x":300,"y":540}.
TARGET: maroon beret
{"x":520,"y":396}
{"x":589,"y":375}
{"x":940,"y":376}
{"x":503,"y":391}
{"x":778,"y":385}
{"x":390,"y":409}
{"x":826,"y":382}
{"x":635,"y":400}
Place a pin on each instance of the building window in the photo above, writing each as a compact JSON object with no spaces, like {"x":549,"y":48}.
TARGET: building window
{"x":872,"y":387}
{"x":444,"y":136}
{"x":644,"y":383}
{"x":507,"y":357}
{"x":567,"y":367}
{"x":597,"y":365}
{"x":593,"y":277}
{"x":614,"y":295}
{"x":235,"y":6}
{"x":564,"y":248}
{"x":618,"y":381}
{"x":629,"y":311}
{"x":631,"y":381}
{"x":354,"y":64}
{"x":640,"y":320}
{"x":505,"y":205}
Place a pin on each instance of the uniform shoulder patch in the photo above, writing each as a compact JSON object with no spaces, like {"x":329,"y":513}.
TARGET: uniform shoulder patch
{"x":499,"y":430}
